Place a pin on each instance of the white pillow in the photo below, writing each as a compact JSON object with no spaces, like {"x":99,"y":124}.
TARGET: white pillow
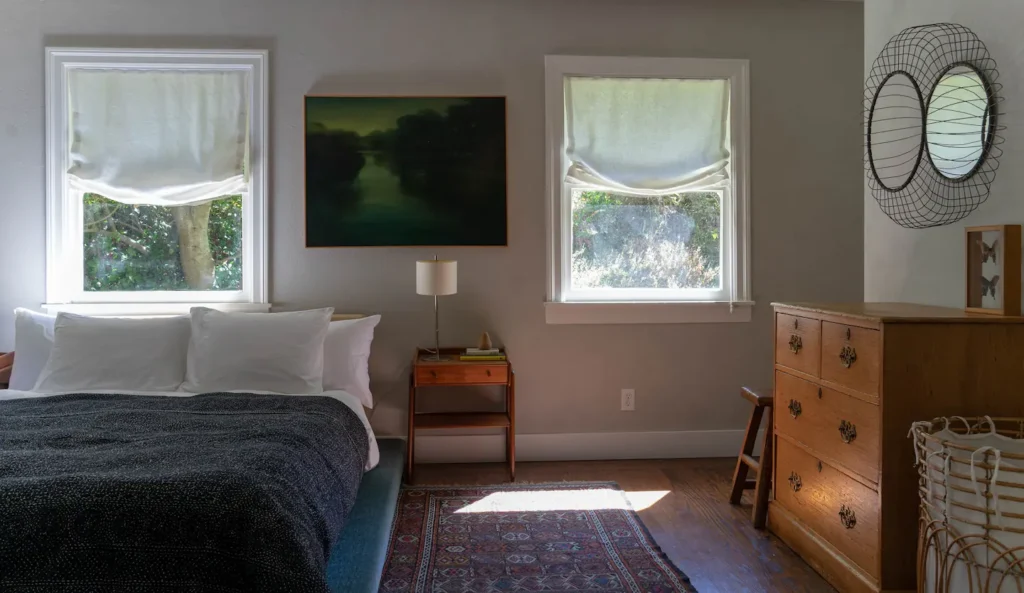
{"x":346,"y":357}
{"x":115,"y":354}
{"x":276,"y":352}
{"x":33,"y":340}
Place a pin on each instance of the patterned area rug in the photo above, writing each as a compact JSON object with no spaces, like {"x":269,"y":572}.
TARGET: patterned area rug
{"x":537,"y":537}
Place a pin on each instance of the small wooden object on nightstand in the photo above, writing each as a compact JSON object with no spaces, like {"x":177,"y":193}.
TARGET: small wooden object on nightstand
{"x":454,"y":373}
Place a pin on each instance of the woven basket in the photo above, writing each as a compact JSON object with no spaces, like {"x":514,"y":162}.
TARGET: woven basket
{"x":972,"y":505}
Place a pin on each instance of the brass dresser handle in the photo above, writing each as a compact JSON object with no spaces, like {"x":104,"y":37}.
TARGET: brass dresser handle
{"x":795,"y":409}
{"x":795,"y":343}
{"x":794,"y":482}
{"x":488,"y":372}
{"x":847,"y":431}
{"x":848,"y":356}
{"x":847,"y":517}
{"x":820,"y":467}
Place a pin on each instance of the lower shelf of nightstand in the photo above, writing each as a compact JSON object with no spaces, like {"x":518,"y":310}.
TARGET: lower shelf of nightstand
{"x":463,"y":420}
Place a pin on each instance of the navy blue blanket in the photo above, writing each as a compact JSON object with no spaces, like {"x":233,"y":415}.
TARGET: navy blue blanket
{"x":216,"y":492}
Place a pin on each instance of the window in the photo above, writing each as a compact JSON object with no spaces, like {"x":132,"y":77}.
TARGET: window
{"x":156,"y":191}
{"x":647,"y":219}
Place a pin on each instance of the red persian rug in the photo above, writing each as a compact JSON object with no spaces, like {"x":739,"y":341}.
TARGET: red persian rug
{"x":536,"y":537}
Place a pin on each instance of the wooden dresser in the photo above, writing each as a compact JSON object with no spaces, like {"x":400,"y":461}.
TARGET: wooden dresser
{"x":849,"y":381}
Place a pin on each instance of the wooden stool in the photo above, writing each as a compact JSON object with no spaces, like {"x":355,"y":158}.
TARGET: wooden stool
{"x":762,"y":465}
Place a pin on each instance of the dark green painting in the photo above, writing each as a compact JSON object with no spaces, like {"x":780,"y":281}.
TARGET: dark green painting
{"x":405,"y":171}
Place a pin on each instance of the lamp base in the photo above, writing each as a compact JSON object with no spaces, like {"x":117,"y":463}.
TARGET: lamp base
{"x":432,"y":355}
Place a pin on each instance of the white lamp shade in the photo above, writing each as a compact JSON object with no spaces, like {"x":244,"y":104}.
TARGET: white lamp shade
{"x":437,"y":277}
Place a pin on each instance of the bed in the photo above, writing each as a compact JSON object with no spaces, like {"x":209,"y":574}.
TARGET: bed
{"x":225,"y":491}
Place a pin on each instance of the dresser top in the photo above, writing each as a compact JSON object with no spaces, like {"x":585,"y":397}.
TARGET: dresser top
{"x":898,"y":312}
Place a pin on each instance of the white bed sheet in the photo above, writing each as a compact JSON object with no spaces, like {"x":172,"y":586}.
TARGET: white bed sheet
{"x":353,"y":402}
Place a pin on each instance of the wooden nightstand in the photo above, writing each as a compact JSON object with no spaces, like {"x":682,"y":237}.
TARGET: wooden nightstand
{"x":454,"y":373}
{"x":6,"y":365}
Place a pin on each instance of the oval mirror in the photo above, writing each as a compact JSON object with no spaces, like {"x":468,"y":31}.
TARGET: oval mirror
{"x":959,"y":127}
{"x":895,"y":127}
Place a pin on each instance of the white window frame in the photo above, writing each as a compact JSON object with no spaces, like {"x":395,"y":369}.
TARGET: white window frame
{"x":64,"y":227}
{"x":732,"y":302}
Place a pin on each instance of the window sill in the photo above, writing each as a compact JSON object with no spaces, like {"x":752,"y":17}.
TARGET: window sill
{"x":139,"y":309}
{"x":640,"y":312}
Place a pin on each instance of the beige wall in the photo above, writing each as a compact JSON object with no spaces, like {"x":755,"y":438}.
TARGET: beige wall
{"x":927,"y":266}
{"x":805,"y":176}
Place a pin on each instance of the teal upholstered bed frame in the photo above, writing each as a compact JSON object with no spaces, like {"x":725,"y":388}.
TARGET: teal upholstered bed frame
{"x":357,"y":559}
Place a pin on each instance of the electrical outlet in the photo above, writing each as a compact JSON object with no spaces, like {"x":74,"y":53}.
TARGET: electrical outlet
{"x":628,"y":400}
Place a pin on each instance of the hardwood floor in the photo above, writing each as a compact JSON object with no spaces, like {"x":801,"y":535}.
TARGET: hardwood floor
{"x":713,"y":542}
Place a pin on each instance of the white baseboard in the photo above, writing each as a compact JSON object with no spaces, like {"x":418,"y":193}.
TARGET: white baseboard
{"x":582,"y":446}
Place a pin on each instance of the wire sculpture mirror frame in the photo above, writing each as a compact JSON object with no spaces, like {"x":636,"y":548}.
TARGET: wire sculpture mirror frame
{"x":928,"y":197}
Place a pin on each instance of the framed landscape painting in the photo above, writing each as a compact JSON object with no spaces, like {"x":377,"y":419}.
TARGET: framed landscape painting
{"x":405,"y":171}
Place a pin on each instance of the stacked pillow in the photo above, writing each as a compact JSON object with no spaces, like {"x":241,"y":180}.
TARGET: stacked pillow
{"x":279,"y":352}
{"x":297,"y":353}
{"x":109,"y":353}
{"x":33,"y":340}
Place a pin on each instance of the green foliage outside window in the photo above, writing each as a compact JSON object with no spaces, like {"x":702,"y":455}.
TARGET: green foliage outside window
{"x":646,"y":242}
{"x":145,"y":248}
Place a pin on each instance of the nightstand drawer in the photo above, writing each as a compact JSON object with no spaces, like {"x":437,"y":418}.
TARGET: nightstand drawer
{"x":461,"y":374}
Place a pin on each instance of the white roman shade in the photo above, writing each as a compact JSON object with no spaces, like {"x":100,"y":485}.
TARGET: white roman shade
{"x":647,"y":136}
{"x":158,"y":137}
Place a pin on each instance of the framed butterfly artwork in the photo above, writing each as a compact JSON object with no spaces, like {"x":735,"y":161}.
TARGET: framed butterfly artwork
{"x":994,"y":269}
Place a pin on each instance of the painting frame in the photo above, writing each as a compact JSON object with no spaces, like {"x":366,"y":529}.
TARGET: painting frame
{"x":1000,"y":278}
{"x":504,"y":207}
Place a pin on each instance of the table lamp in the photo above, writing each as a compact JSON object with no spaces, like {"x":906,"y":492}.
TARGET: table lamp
{"x":436,"y":278}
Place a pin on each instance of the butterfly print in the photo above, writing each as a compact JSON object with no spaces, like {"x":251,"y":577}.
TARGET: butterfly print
{"x":988,"y":250}
{"x":989,"y":286}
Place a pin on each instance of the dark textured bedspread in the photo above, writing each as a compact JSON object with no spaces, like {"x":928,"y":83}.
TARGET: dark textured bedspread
{"x":217,"y":492}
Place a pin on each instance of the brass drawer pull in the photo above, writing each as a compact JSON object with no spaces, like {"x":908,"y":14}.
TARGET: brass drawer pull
{"x":488,"y":372}
{"x":848,"y":356}
{"x":847,"y":334}
{"x":847,"y":431}
{"x":795,"y":343}
{"x":433,"y":374}
{"x":796,"y":324}
{"x":794,"y":482}
{"x":819,"y":393}
{"x":820,"y":467}
{"x":794,"y":408}
{"x":847,"y":517}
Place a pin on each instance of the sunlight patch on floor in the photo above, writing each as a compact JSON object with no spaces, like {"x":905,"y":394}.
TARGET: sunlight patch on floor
{"x":564,"y":500}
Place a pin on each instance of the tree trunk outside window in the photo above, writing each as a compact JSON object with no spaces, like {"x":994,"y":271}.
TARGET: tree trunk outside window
{"x":197,"y":263}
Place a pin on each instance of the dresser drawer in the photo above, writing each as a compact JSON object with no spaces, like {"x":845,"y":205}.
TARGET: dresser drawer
{"x":841,"y":510}
{"x":850,"y":356}
{"x":840,"y":427}
{"x":462,"y":374}
{"x":798,"y":342}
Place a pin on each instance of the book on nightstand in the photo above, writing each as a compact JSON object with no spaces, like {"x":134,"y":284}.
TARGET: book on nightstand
{"x":482,"y":354}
